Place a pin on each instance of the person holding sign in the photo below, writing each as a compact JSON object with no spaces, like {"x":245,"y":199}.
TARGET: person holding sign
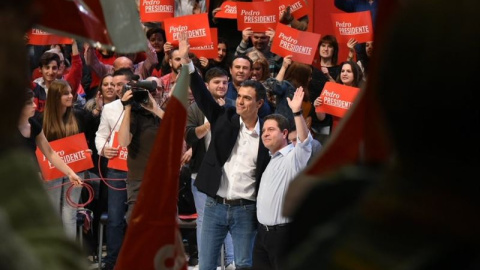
{"x":261,"y":42}
{"x":33,"y":136}
{"x":350,"y":75}
{"x":329,"y":70}
{"x":60,"y":121}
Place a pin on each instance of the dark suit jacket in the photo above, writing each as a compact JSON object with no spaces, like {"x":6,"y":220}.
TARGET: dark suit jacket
{"x":225,"y":125}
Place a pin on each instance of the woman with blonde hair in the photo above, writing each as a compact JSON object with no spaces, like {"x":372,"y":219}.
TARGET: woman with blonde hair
{"x":62,"y":120}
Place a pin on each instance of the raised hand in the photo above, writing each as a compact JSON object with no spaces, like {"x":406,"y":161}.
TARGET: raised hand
{"x":351,"y":44}
{"x":247,"y":33}
{"x":296,"y":103}
{"x":287,"y":61}
{"x":270,"y":33}
{"x":184,"y":47}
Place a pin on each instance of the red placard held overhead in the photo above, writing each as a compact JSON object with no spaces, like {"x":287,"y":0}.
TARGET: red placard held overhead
{"x":120,"y":161}
{"x":208,"y":51}
{"x":298,"y":8}
{"x":258,"y":15}
{"x":301,"y":45}
{"x":72,"y":150}
{"x":156,"y":10}
{"x":337,"y":98}
{"x":39,"y":37}
{"x":228,"y":10}
{"x":196,"y":26}
{"x":357,"y":25}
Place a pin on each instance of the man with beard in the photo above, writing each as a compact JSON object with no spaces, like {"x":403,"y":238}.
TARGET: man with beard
{"x":167,"y":81}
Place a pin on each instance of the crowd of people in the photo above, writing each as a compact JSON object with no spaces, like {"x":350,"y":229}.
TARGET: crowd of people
{"x":245,"y":104}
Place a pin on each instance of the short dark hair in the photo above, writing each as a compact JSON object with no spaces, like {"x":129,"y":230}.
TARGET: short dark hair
{"x":222,"y":40}
{"x":28,"y":95}
{"x":214,"y":73}
{"x":48,"y":57}
{"x":332,"y":40}
{"x":124,"y":72}
{"x":242,"y":57}
{"x":281,"y":120}
{"x":156,"y":30}
{"x":259,"y":88}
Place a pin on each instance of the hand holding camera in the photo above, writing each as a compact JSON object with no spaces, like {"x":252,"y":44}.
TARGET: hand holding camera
{"x":126,"y":98}
{"x":140,"y":90}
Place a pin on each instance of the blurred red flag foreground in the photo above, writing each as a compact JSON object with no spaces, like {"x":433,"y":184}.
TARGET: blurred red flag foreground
{"x":153,"y":239}
{"x":111,"y":24}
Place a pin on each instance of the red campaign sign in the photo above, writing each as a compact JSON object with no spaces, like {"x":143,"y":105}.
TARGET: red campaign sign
{"x":156,"y":10}
{"x":72,"y":150}
{"x":300,"y":44}
{"x":119,"y":162}
{"x":337,"y":99}
{"x":39,"y":37}
{"x":298,"y":8}
{"x":208,"y":51}
{"x":258,"y":15}
{"x":357,"y":25}
{"x":228,"y":10}
{"x":196,"y":26}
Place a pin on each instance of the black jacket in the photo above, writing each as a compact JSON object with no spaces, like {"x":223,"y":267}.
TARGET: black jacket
{"x":225,"y":126}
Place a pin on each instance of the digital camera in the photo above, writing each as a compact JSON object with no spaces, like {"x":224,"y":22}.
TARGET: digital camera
{"x":140,"y":90}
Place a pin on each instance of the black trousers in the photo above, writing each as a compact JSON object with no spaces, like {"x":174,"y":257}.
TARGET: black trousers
{"x":269,"y":248}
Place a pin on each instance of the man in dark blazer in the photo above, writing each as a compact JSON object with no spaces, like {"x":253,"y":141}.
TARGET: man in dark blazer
{"x":198,"y":136}
{"x":231,"y":169}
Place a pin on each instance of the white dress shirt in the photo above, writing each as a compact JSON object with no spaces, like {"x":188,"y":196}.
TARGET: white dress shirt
{"x":284,"y":165}
{"x":111,"y":118}
{"x":238,"y":174}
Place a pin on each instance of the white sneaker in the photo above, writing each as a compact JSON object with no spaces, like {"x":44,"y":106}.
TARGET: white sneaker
{"x":230,"y":266}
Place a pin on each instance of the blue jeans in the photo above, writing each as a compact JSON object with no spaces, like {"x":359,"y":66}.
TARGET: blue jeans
{"x":199,"y":199}
{"x":58,"y":197}
{"x":117,"y":208}
{"x":218,"y":220}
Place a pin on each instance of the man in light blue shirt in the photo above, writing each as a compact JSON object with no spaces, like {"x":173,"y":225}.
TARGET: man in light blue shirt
{"x":286,"y":162}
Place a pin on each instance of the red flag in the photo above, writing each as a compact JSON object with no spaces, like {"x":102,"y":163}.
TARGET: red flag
{"x":112,"y":24}
{"x":153,"y":239}
{"x":39,"y":37}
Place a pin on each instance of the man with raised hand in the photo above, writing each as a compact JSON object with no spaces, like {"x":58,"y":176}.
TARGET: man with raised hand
{"x":231,"y":170}
{"x":287,"y":160}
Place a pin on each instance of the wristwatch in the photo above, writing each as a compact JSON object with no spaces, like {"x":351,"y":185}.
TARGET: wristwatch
{"x":298,"y":113}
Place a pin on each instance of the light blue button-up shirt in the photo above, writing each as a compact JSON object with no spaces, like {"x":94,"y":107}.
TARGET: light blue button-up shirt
{"x":284,"y":165}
